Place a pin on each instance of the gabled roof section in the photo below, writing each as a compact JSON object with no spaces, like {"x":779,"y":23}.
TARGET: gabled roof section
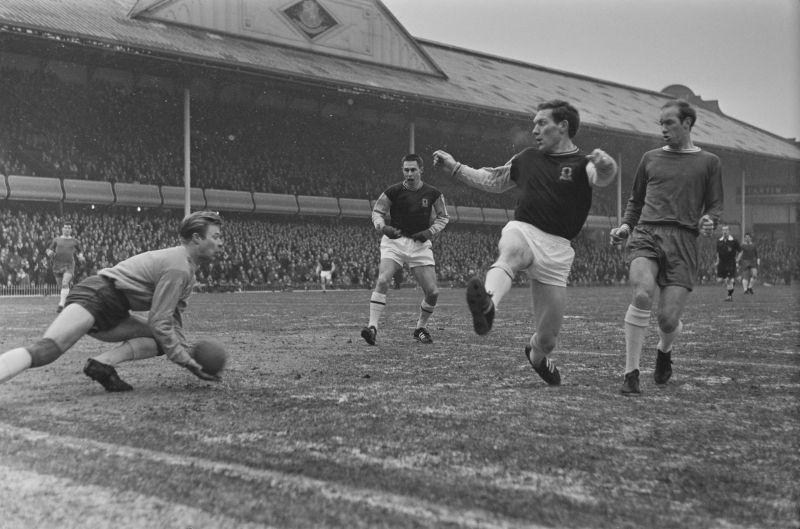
{"x":473,"y":80}
{"x":362,"y":30}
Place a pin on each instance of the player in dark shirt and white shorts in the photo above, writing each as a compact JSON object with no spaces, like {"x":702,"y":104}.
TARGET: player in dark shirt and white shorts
{"x":555,"y":182}
{"x":402,"y":214}
{"x":677,"y":193}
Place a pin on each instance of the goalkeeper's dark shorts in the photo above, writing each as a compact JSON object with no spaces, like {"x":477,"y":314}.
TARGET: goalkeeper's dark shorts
{"x":100,"y":297}
{"x":673,"y":248}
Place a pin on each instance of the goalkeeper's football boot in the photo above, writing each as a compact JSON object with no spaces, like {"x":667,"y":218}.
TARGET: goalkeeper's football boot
{"x":369,"y":334}
{"x":480,"y":305}
{"x":422,"y":335}
{"x":106,"y":375}
{"x":546,"y":369}
{"x":630,"y":386}
{"x":663,"y":367}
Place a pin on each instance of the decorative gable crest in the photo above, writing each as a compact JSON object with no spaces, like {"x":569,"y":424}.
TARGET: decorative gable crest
{"x":363,"y":30}
{"x":310,"y":18}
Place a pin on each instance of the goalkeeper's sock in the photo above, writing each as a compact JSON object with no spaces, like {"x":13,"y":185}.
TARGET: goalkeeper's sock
{"x":133,"y":349}
{"x":377,"y":304}
{"x":425,"y":312}
{"x":14,"y":362}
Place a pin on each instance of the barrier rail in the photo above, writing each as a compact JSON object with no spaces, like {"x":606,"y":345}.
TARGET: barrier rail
{"x":88,"y":192}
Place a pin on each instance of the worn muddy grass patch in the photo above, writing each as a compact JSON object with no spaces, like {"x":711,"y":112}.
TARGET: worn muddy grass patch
{"x":312,"y":427}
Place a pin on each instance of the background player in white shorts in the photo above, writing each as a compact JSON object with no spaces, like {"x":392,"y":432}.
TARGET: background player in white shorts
{"x":325,"y":269}
{"x":409,"y":206}
{"x":555,"y":183}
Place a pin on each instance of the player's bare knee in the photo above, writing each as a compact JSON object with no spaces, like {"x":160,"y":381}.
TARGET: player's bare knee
{"x":668,"y":323}
{"x":642,"y":299}
{"x":43,"y":352}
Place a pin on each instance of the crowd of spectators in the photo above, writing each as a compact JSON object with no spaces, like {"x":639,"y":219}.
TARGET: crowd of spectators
{"x":281,"y":253}
{"x":116,"y":133}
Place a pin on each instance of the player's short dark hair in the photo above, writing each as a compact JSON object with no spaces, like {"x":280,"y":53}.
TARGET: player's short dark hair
{"x":198,"y":222}
{"x":563,"y":111}
{"x":685,"y":110}
{"x":413,"y":158}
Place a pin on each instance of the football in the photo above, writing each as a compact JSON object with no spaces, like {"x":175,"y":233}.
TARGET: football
{"x":210,"y":354}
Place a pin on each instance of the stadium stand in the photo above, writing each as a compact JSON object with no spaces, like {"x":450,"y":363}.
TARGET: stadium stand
{"x":88,"y":192}
{"x":294,"y":165}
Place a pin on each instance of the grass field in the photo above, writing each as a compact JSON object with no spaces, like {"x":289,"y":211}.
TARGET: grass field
{"x":311,"y":427}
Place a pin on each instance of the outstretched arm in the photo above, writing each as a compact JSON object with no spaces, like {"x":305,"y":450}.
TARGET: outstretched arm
{"x":601,"y":168}
{"x":491,"y":179}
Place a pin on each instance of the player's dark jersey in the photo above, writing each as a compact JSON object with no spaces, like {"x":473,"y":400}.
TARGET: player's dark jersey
{"x":749,"y":255}
{"x":727,"y":248}
{"x":411,"y":211}
{"x":555,"y":191}
{"x":325,"y":265}
{"x":65,"y":249}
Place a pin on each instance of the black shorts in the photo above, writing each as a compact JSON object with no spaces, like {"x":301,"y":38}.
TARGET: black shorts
{"x":98,"y":295}
{"x":673,"y":248}
{"x":726,"y":270}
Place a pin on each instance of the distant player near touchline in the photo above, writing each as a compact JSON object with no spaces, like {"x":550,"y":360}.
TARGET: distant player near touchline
{"x":676,"y":195}
{"x":555,"y":184}
{"x":325,"y":269}
{"x":728,"y":253}
{"x":64,"y":249}
{"x":409,"y":205}
{"x":748,"y":264}
{"x":159,"y":282}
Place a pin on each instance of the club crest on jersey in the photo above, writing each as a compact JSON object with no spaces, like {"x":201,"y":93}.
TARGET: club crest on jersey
{"x":425,"y":203}
{"x":566,"y":174}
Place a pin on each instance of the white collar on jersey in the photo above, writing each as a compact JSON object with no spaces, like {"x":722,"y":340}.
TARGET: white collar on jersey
{"x":670,"y":149}
{"x":565,"y":153}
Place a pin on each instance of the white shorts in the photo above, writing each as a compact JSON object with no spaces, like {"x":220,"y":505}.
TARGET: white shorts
{"x":552,"y":255}
{"x":326,"y":275}
{"x":407,"y":251}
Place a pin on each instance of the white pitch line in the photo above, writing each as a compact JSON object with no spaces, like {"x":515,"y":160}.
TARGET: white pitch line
{"x":425,"y":511}
{"x":32,"y":499}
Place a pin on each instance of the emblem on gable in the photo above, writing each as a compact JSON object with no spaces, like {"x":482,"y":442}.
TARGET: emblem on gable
{"x":310,"y":18}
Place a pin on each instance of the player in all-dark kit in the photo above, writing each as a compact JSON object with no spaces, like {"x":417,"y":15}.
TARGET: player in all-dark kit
{"x":555,"y":182}
{"x":64,"y":249}
{"x":409,"y":205}
{"x":748,"y":264}
{"x":676,"y":195}
{"x":158,"y":282}
{"x":728,"y":252}
{"x":325,"y":269}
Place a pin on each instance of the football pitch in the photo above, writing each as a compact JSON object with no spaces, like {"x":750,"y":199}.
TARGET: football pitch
{"x":311,"y":427}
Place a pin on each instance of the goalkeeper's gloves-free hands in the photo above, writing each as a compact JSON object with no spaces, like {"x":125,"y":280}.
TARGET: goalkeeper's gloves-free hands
{"x":197,"y":371}
{"x":391,"y":232}
{"x":421,"y":236}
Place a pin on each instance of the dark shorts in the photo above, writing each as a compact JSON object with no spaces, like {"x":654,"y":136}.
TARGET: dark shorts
{"x":61,"y":268}
{"x":673,"y":248}
{"x":98,"y":295}
{"x":726,"y":270}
